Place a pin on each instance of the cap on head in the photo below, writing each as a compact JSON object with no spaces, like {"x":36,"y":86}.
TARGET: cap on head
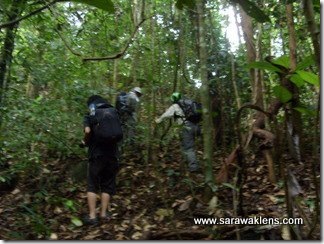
{"x":175,"y":97}
{"x":137,"y":90}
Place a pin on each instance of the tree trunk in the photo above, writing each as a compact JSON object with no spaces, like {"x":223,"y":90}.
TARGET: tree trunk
{"x":205,"y":97}
{"x":293,"y":117}
{"x":138,"y":7}
{"x":151,"y":133}
{"x":313,"y":29}
{"x":254,"y":53}
{"x":233,"y":69}
{"x":247,"y":27}
{"x":8,"y":45}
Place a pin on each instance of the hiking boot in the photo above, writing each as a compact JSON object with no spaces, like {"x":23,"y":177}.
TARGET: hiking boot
{"x":90,"y":221}
{"x":106,"y":218}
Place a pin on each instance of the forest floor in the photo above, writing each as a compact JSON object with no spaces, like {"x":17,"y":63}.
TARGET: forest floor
{"x":153,"y":202}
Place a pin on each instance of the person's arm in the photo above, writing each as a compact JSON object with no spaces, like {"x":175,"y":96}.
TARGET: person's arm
{"x":169,"y":113}
{"x":87,"y":131}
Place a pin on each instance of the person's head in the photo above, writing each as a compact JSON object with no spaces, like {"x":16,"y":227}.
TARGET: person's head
{"x":96,"y":99}
{"x":137,"y":91}
{"x":175,"y":97}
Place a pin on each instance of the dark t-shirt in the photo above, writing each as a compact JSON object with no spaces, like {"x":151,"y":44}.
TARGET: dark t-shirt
{"x":98,"y":149}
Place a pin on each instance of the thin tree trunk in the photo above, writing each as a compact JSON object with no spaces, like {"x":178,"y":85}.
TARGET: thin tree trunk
{"x":8,"y":45}
{"x":293,"y":118}
{"x":254,"y":53}
{"x":233,"y":68}
{"x":151,"y":111}
{"x":182,"y":54}
{"x":205,"y":97}
{"x":247,"y":27}
{"x":313,"y":29}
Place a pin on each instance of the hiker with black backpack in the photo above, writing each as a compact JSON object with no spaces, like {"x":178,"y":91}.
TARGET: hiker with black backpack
{"x":102,"y":132}
{"x":127,"y":106}
{"x":187,"y":113}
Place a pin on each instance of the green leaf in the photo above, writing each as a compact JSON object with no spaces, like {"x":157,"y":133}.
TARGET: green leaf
{"x":253,"y":10}
{"x":212,"y":186}
{"x":306,"y":111}
{"x":297,"y":80}
{"x":70,"y":205}
{"x":263,"y":65}
{"x":289,"y":1}
{"x":308,"y":61}
{"x":309,"y":77}
{"x":283,"y":61}
{"x":189,"y":3}
{"x":230,"y":186}
{"x":106,"y":5}
{"x":76,"y":221}
{"x":282,"y":94}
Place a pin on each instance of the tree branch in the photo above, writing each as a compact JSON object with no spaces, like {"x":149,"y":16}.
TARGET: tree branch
{"x":123,"y":51}
{"x":63,"y":38}
{"x":13,"y":22}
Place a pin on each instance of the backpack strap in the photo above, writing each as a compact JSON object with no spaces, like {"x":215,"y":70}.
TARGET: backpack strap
{"x":180,"y":103}
{"x":103,"y":105}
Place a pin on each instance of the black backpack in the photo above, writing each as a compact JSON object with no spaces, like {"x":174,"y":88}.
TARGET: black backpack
{"x":191,"y":109}
{"x":121,"y":102}
{"x":106,"y":125}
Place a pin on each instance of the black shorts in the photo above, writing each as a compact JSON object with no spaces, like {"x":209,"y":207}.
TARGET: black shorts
{"x":102,"y":175}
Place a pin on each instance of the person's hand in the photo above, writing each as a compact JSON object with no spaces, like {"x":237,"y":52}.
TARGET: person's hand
{"x":82,"y":144}
{"x":158,"y":121}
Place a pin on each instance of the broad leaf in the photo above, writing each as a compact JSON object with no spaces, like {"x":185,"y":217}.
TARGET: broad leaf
{"x":309,"y":77}
{"x":306,"y":111}
{"x":263,"y":65}
{"x":189,"y":3}
{"x":253,"y":10}
{"x":283,"y":61}
{"x":282,"y":94}
{"x":76,"y":221}
{"x":106,"y":5}
{"x":297,"y":80}
{"x":308,"y":61}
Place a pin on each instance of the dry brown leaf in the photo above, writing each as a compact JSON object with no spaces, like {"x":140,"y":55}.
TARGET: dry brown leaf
{"x":120,"y":237}
{"x":137,"y":235}
{"x":16,"y":191}
{"x":57,"y":210}
{"x":137,"y":227}
{"x":280,"y":193}
{"x":53,"y":236}
{"x":185,"y":206}
{"x":273,"y":198}
{"x":213,"y":203}
{"x":162,"y":212}
{"x":93,"y":234}
{"x":285,"y":233}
